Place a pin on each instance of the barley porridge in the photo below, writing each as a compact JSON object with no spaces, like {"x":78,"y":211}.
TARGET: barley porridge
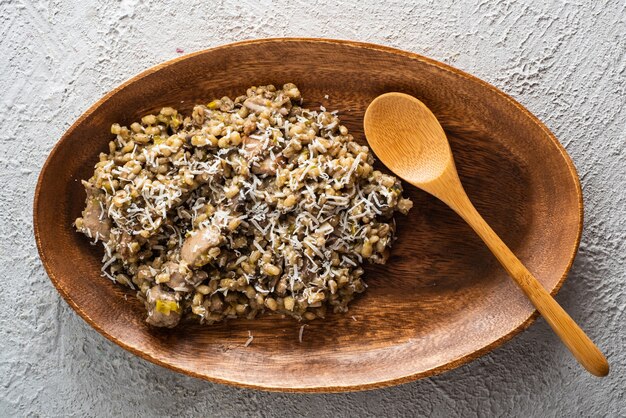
{"x":245,"y":206}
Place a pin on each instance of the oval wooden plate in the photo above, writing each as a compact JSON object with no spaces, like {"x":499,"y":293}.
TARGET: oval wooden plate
{"x":441,"y":300}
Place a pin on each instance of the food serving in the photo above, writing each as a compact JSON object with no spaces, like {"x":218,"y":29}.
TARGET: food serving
{"x":245,"y":206}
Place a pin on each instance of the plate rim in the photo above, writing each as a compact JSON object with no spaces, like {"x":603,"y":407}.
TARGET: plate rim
{"x":382,"y":383}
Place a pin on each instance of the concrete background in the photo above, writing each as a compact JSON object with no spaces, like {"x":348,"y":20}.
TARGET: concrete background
{"x":564,"y":60}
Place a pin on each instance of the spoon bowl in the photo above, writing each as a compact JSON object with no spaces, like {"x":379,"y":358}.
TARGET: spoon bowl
{"x":419,"y":151}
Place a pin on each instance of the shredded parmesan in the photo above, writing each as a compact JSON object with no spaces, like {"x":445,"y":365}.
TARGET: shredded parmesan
{"x":249,"y":340}
{"x":301,"y":333}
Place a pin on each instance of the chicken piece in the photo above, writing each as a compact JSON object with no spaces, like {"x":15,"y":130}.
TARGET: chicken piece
{"x":196,"y":250}
{"x":163,"y":308}
{"x":94,"y":222}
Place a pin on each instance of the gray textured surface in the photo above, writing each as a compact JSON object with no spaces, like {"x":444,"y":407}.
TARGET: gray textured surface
{"x":565,"y":61}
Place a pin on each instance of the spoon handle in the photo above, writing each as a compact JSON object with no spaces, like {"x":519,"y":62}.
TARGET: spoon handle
{"x":574,"y":338}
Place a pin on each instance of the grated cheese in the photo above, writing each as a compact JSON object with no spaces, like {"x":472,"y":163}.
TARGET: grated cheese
{"x":249,"y":340}
{"x":301,"y":333}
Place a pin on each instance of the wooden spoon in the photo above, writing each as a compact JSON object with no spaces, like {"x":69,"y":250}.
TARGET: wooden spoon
{"x":409,"y":140}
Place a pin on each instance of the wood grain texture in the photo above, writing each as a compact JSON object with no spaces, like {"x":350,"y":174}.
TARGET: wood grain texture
{"x":407,"y":137}
{"x":441,"y":300}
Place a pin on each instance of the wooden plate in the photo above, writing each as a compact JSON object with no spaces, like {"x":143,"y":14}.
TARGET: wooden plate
{"x":442,"y":299}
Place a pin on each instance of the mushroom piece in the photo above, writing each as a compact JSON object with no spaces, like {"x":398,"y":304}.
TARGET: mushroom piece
{"x":258,"y":104}
{"x":94,"y":222}
{"x":179,"y":276}
{"x":196,"y":248}
{"x":249,"y":126}
{"x":254,"y":148}
{"x":268,"y":166}
{"x":163,"y":308}
{"x":123,"y":246}
{"x":198,"y":277}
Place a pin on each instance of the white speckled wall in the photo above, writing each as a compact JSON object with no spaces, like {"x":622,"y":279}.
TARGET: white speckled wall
{"x":565,"y":61}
